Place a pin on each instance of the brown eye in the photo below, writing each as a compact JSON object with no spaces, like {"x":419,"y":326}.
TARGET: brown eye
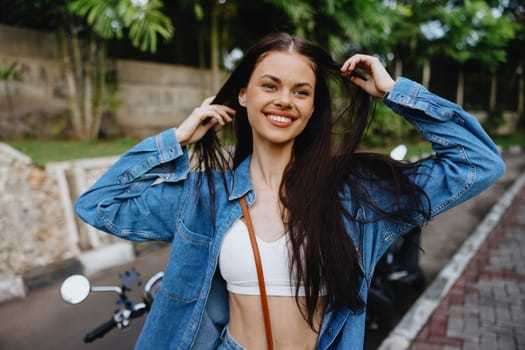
{"x":302,"y":93}
{"x":269,"y":86}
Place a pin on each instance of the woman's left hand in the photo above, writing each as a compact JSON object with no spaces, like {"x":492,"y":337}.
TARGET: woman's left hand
{"x":378,"y":82}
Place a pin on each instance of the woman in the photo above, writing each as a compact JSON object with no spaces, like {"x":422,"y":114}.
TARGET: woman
{"x":323,"y":215}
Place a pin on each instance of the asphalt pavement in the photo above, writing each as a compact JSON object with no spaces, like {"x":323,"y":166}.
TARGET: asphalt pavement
{"x":43,"y":321}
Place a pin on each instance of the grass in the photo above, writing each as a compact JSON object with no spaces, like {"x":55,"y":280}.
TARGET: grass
{"x":45,"y":151}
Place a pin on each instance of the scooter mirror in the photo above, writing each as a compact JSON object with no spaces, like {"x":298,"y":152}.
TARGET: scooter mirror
{"x":399,"y":152}
{"x":75,"y":289}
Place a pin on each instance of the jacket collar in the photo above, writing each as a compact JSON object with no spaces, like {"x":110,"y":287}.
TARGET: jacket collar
{"x":240,"y":181}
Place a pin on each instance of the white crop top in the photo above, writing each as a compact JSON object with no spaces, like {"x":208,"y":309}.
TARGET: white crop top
{"x":237,"y":265}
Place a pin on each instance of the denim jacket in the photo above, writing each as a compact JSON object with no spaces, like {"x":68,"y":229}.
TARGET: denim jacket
{"x":151,"y":194}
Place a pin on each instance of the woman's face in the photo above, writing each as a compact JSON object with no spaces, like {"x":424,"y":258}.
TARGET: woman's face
{"x":279,"y":97}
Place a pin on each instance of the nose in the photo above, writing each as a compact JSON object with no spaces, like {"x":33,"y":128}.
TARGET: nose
{"x":283,"y":99}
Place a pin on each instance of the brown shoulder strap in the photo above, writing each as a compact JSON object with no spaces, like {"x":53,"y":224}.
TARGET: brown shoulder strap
{"x":260,"y":275}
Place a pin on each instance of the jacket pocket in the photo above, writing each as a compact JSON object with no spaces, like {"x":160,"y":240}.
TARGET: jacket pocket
{"x":187,"y":265}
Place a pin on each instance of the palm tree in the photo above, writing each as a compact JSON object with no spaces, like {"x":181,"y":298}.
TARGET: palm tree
{"x":84,"y":63}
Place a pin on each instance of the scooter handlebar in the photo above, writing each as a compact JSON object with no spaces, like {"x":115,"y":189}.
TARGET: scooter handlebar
{"x":100,"y":331}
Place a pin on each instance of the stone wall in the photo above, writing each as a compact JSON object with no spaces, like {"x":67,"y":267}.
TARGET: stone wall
{"x":157,"y":96}
{"x":35,"y":105}
{"x":152,"y":96}
{"x":32,"y":221}
{"x":38,"y":227}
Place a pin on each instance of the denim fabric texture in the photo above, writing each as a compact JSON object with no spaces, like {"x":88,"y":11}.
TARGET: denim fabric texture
{"x":151,"y":194}
{"x":227,"y":342}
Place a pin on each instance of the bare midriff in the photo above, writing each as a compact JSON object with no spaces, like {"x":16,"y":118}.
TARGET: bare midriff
{"x":289,"y":328}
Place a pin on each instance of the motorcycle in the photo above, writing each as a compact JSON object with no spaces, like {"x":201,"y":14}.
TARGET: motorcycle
{"x":398,"y":280}
{"x":76,"y":288}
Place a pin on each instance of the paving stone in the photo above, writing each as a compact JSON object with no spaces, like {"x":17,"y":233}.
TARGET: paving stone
{"x":488,"y":342}
{"x":502,"y":314}
{"x":472,"y":324}
{"x":470,"y":346}
{"x":507,"y":343}
{"x":487,"y":314}
{"x":455,"y":326}
{"x":492,"y":288}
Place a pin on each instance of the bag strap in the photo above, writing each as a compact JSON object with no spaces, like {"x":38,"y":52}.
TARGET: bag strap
{"x":260,"y":275}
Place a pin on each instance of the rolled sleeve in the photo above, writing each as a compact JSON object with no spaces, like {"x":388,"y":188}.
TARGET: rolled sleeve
{"x":127,"y":200}
{"x":466,"y":160}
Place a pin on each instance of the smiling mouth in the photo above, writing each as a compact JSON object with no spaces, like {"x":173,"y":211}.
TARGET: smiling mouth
{"x":279,"y":119}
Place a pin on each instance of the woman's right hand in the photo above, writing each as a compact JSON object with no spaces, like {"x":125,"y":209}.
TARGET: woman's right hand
{"x":202,"y":119}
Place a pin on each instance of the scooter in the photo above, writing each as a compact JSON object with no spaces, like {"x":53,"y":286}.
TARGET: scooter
{"x":76,"y":288}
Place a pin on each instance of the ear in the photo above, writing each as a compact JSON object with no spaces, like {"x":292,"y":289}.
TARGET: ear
{"x":242,"y":97}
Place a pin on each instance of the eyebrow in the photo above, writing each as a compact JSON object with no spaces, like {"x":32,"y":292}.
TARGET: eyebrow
{"x":277,"y":80}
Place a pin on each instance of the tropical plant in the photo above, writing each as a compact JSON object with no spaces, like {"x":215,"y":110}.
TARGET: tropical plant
{"x":109,"y":19}
{"x":213,"y":17}
{"x":476,"y":32}
{"x":343,"y":26}
{"x":84,"y":63}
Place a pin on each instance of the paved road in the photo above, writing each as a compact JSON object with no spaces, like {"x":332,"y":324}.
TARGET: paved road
{"x":43,"y":321}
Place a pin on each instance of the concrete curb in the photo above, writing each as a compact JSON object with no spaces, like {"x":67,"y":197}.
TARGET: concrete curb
{"x":90,"y":262}
{"x":106,"y":257}
{"x":418,"y":315}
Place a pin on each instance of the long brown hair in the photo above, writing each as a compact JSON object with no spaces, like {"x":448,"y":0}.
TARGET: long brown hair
{"x":322,"y":167}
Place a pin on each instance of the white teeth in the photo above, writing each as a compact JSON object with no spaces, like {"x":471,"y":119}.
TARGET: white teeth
{"x":279,"y":119}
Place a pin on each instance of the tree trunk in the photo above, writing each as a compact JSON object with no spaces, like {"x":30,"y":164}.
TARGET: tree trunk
{"x":84,"y":77}
{"x":77,"y":60}
{"x":71,"y":87}
{"x":493,"y":92}
{"x":460,"y":92}
{"x":9,"y":100}
{"x":521,"y":94}
{"x":214,"y":47}
{"x":100,"y":90}
{"x":204,"y":73}
{"x":521,"y":101}
{"x":426,"y":73}
{"x":398,"y":70}
{"x":87,"y":97}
